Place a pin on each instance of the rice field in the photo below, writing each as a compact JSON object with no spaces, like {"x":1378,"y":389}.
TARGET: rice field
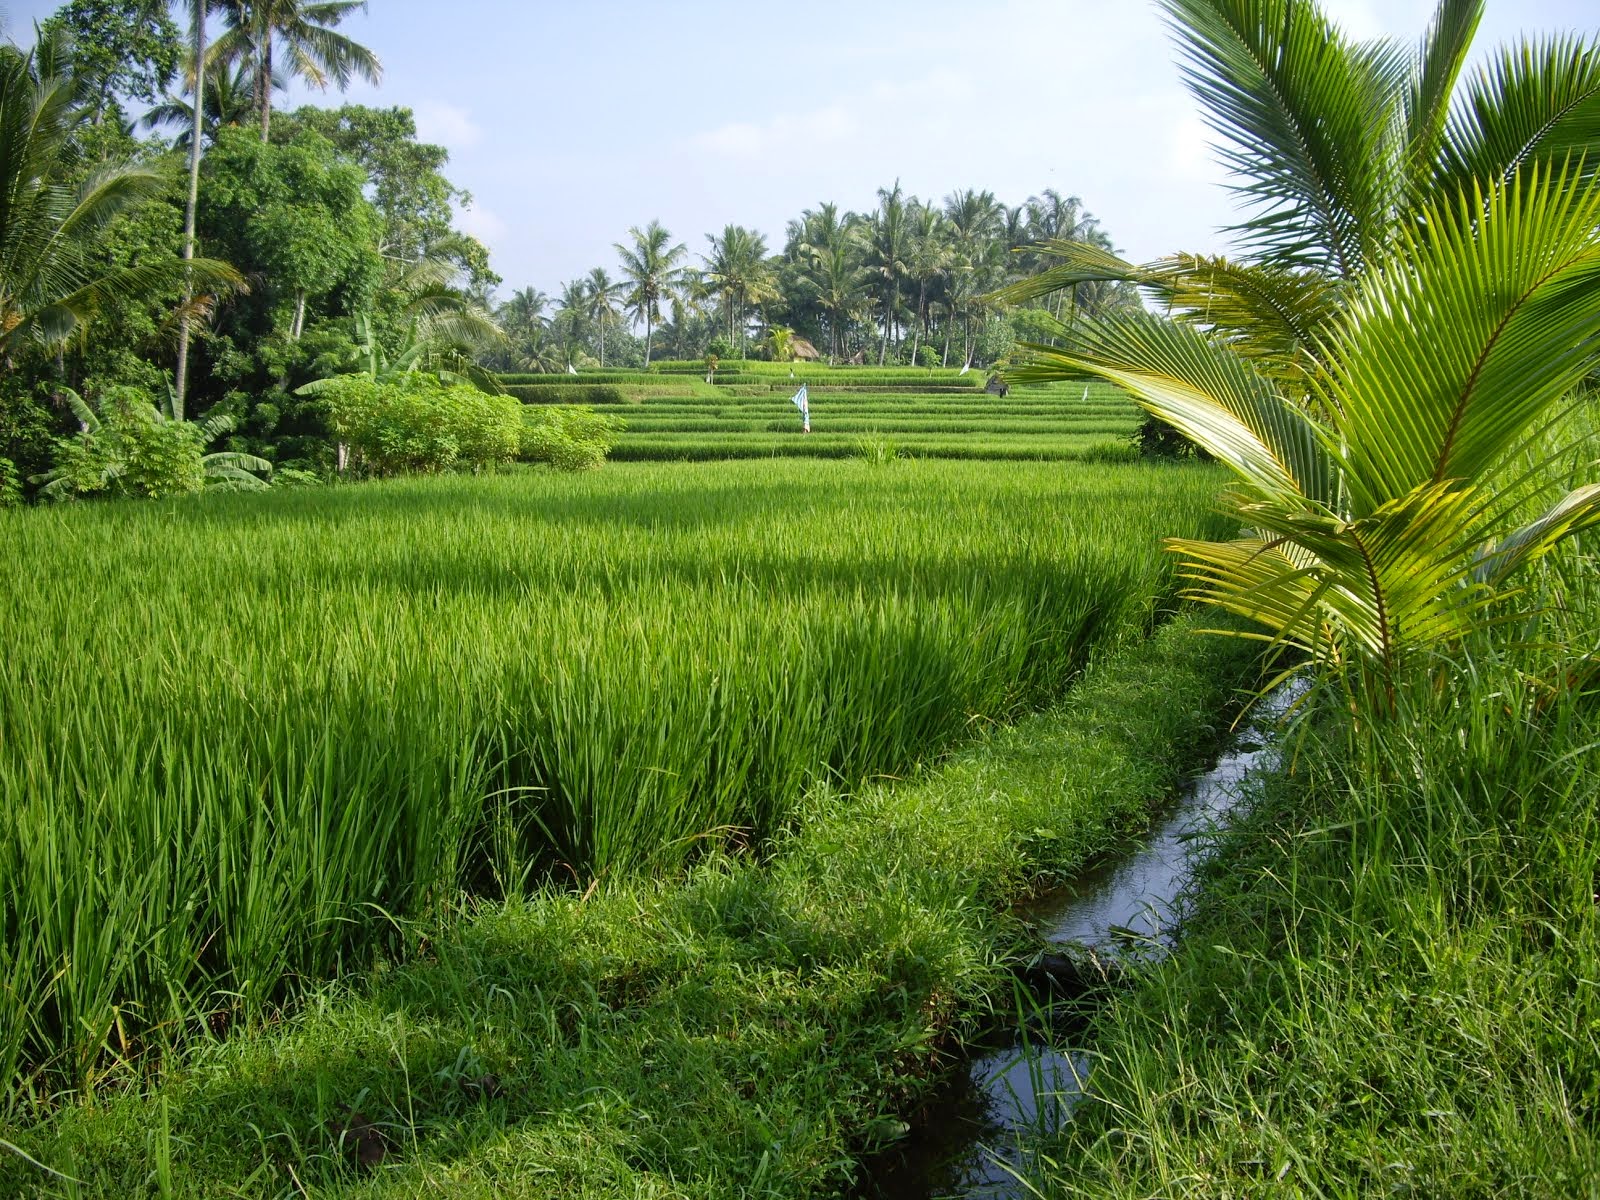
{"x":240,"y":734}
{"x":856,"y":412}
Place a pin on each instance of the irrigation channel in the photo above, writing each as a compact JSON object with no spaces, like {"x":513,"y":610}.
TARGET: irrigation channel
{"x":969,"y":1141}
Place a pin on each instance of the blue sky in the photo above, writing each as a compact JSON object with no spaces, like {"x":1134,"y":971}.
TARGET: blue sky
{"x":570,"y":122}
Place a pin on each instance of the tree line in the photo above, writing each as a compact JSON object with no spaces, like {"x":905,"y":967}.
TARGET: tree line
{"x":912,"y":282}
{"x":172,"y":238}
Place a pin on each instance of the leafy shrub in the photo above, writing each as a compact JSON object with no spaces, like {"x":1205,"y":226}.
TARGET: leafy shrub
{"x":10,"y":485}
{"x":418,"y":424}
{"x":568,"y":439}
{"x":1156,"y":439}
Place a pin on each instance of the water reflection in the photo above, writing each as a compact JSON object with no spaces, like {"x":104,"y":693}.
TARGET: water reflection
{"x":970,"y":1141}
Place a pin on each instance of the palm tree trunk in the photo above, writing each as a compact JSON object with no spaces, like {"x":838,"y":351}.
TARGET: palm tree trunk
{"x":264,"y":84}
{"x":648,"y":333}
{"x":888,"y":319}
{"x":299,"y":316}
{"x":181,"y":380}
{"x":602,"y":324}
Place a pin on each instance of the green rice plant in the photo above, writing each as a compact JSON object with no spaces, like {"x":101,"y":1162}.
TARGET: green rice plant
{"x":702,"y":447}
{"x":878,"y":450}
{"x":237,"y":738}
{"x":747,"y":1029}
{"x":567,"y":391}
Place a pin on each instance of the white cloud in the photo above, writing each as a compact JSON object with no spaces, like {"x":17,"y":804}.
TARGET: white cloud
{"x":482,"y":223}
{"x":828,"y":126}
{"x":446,"y":125}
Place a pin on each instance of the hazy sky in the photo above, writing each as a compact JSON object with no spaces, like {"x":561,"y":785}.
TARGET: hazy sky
{"x":569,"y":122}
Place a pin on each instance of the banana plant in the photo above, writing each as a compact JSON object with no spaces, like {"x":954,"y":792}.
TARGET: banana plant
{"x":108,"y":449}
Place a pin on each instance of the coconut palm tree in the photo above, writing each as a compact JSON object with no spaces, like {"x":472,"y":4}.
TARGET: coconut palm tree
{"x":738,"y":271}
{"x":305,"y":32}
{"x":1416,"y":297}
{"x":887,"y":240}
{"x":51,"y":280}
{"x":929,"y":257}
{"x":572,"y":317}
{"x":229,"y":103}
{"x":838,"y":285}
{"x":602,"y":296}
{"x":651,"y":265}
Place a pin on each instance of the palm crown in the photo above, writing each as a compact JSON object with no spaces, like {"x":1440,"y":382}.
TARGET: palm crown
{"x":1419,"y":289}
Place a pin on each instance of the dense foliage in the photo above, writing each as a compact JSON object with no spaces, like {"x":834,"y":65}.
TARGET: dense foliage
{"x":325,"y":244}
{"x":911,"y":282}
{"x":417,"y":424}
{"x":568,"y":438}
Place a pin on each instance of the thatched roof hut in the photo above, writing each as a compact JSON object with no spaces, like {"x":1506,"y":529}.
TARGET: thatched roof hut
{"x":803,"y":350}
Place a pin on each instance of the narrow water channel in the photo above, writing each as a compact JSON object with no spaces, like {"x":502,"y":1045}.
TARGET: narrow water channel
{"x":969,"y":1141}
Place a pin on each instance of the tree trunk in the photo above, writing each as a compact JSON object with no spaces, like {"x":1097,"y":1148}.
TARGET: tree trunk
{"x":648,"y":333}
{"x":888,"y":319}
{"x":299,"y":316}
{"x":264,"y":85}
{"x":181,"y":380}
{"x":602,"y":324}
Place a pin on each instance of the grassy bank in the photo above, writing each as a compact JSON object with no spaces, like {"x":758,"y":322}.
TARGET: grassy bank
{"x":1390,"y":987}
{"x":747,"y":1031}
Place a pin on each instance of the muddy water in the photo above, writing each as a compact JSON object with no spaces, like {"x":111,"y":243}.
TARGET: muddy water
{"x":970,"y":1140}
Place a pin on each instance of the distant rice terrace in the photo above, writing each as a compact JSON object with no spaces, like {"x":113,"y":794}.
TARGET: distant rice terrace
{"x":746,"y":411}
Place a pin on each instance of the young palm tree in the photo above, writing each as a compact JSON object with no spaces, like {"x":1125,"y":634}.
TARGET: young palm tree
{"x":305,"y":31}
{"x":651,"y":266}
{"x":1420,"y":291}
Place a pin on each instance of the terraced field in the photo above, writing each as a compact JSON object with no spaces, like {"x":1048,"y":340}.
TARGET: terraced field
{"x":672,"y":413}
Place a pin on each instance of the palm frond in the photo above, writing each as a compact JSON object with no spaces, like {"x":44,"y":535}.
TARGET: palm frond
{"x":1536,"y":102}
{"x":1303,"y":114}
{"x":1453,"y":350}
{"x":1208,"y":393}
{"x":1575,"y":512}
{"x":1440,"y":60}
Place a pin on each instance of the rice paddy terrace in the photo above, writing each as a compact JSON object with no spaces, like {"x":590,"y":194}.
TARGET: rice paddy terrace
{"x":292,"y":713}
{"x":745,"y":411}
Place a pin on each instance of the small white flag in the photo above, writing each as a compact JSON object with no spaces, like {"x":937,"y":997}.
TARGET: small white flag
{"x":802,"y":401}
{"x":1085,"y":394}
{"x":571,"y":370}
{"x":966,"y":368}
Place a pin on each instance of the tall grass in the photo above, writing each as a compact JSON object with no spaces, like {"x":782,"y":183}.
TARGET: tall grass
{"x":1390,"y":983}
{"x":236,"y":735}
